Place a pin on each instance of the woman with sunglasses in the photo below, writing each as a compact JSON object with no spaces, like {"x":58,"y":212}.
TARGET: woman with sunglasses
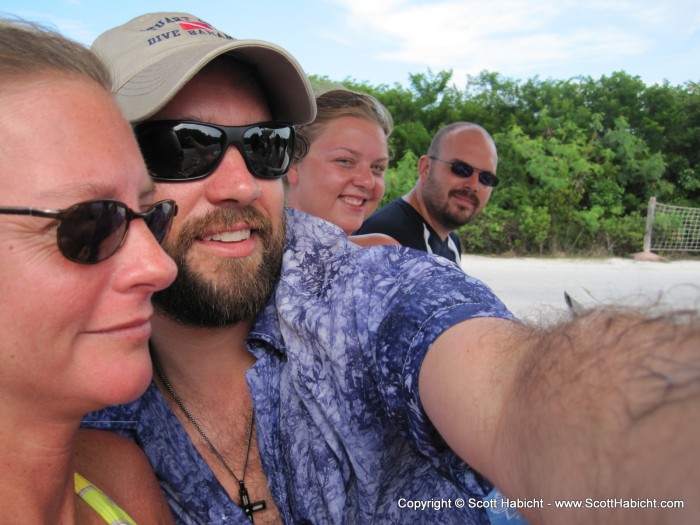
{"x":341,"y":178}
{"x":455,"y":181}
{"x":79,"y":261}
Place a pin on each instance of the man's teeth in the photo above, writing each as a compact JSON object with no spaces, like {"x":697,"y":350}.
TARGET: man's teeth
{"x":352,"y":201}
{"x":237,"y":236}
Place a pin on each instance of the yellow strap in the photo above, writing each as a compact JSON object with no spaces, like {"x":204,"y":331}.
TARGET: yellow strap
{"x":100,"y":502}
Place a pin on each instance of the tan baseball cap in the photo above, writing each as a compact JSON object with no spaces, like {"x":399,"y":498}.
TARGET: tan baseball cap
{"x":153,"y":56}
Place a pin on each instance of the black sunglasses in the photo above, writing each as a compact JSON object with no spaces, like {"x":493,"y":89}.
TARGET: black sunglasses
{"x":179,"y":150}
{"x":464,"y":170}
{"x":92,"y":231}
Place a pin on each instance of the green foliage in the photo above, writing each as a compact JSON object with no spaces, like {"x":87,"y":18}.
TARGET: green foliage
{"x":579,"y":158}
{"x":400,"y":179}
{"x":535,"y":227}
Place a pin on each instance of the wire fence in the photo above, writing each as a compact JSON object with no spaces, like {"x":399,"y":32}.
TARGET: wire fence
{"x":672,"y":228}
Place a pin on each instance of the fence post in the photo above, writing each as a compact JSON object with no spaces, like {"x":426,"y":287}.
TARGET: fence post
{"x":651,"y":209}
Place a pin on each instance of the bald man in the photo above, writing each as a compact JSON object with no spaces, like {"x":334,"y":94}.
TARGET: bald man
{"x":455,"y":181}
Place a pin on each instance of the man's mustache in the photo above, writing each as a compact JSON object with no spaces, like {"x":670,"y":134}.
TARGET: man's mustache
{"x":467,"y":194}
{"x":221,"y":219}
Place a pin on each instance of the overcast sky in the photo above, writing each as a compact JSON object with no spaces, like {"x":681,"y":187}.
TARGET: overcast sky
{"x":383,"y":41}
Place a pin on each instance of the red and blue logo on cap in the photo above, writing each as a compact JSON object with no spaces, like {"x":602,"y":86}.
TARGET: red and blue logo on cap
{"x":194,"y":26}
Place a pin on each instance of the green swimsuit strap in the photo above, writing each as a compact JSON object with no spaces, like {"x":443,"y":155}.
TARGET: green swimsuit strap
{"x":100,"y":502}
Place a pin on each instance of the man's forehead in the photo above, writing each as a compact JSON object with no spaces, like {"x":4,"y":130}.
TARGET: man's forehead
{"x":467,"y":133}
{"x":467,"y":138}
{"x":215,"y":95}
{"x":472,"y":145}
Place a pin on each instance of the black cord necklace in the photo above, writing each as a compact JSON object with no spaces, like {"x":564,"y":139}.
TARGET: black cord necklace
{"x":248,"y":507}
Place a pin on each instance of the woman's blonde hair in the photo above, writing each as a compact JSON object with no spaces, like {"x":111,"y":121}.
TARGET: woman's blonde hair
{"x":28,"y":50}
{"x":338,"y":103}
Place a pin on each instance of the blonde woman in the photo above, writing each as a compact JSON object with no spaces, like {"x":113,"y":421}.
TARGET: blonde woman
{"x":79,"y":261}
{"x":341,"y":178}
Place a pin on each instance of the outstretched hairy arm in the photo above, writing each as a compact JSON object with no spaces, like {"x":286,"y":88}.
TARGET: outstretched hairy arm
{"x":603,"y":407}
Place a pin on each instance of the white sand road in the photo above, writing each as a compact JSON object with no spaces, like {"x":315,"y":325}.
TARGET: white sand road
{"x":533,"y":288}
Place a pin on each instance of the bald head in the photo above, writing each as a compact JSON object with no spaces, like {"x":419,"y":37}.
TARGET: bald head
{"x":472,"y":132}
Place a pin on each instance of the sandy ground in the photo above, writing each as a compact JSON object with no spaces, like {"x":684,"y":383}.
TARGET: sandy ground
{"x":534,"y":288}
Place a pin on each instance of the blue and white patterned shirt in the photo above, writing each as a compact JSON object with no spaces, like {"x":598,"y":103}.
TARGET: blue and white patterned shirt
{"x":341,"y":432}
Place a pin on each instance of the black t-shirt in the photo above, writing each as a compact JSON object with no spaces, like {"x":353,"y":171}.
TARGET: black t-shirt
{"x":400,"y":220}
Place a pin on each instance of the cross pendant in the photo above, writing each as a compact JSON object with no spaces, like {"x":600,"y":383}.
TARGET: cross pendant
{"x":246,"y":505}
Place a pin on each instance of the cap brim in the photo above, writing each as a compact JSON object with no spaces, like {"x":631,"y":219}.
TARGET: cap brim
{"x":289,"y":92}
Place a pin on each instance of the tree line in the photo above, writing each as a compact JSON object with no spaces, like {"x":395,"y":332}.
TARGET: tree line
{"x":578,"y":159}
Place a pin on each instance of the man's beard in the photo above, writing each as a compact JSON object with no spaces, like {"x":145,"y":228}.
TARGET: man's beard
{"x":237,"y":289}
{"x":439,"y":207}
